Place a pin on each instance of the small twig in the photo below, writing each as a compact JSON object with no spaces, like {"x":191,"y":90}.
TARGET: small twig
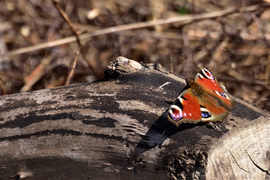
{"x":71,"y":69}
{"x":66,"y":18}
{"x":70,"y":24}
{"x":36,"y":74}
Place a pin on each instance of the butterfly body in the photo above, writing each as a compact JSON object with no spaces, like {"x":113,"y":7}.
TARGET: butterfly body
{"x":204,"y":100}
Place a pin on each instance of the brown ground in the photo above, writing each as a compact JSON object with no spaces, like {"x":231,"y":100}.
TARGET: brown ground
{"x":235,"y":46}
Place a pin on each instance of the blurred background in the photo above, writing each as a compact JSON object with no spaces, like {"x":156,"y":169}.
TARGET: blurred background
{"x":235,"y":46}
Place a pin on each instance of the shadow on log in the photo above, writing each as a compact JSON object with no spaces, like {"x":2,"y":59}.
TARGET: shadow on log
{"x":117,"y":128}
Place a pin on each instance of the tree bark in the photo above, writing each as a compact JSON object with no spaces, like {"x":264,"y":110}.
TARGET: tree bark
{"x":117,"y":128}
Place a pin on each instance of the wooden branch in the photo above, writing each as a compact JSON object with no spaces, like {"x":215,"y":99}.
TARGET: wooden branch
{"x":117,"y":128}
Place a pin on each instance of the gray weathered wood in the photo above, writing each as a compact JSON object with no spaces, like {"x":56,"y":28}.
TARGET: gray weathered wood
{"x":117,"y":128}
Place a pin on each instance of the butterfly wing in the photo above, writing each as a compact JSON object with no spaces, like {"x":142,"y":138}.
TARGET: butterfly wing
{"x":186,"y":108}
{"x":206,"y":79}
{"x":214,"y":101}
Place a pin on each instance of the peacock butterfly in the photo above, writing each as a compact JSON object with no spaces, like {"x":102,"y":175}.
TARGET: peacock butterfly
{"x":203,"y":100}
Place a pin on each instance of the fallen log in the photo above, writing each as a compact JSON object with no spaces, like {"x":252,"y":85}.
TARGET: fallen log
{"x":117,"y":128}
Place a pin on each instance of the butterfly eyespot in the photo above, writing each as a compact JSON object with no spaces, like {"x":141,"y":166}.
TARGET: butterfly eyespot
{"x":208,"y":74}
{"x":206,"y":115}
{"x":222,"y":94}
{"x":175,"y":113}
